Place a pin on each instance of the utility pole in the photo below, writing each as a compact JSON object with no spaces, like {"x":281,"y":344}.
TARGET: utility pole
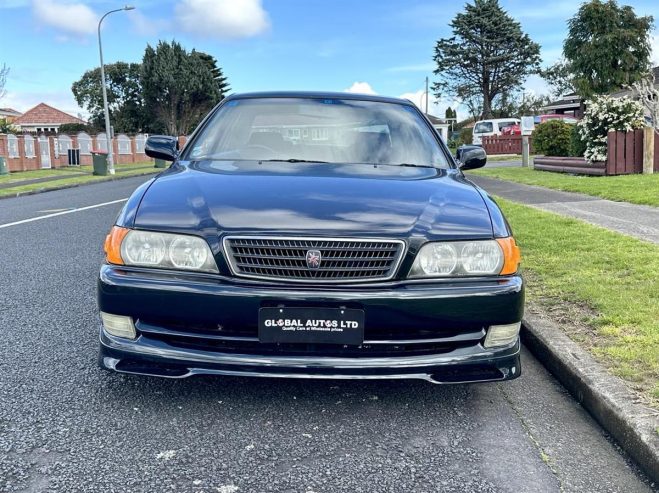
{"x":426,"y":95}
{"x":108,"y":128}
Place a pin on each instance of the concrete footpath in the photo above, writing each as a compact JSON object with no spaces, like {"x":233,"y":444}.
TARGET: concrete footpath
{"x":639,"y":221}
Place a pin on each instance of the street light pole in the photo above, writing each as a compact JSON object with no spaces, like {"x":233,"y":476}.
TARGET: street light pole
{"x":108,"y":128}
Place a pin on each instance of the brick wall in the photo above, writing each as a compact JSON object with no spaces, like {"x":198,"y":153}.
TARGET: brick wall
{"x":24,"y":163}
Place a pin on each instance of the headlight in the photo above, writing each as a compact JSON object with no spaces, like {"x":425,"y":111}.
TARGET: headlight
{"x":466,"y":258}
{"x":162,"y":250}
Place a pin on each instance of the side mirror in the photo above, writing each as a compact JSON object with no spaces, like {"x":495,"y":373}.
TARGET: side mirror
{"x":471,"y":157}
{"x":162,"y":147}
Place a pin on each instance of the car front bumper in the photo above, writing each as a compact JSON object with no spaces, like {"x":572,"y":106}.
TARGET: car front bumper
{"x":190,"y":324}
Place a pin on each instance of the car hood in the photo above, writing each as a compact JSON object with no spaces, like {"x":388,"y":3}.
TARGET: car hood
{"x":314,"y":199}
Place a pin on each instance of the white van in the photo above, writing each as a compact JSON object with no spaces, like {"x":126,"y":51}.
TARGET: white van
{"x":486,"y":128}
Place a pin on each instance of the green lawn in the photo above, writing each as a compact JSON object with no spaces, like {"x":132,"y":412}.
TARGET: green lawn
{"x":70,"y":177}
{"x":505,"y":157}
{"x":601,"y":286}
{"x":636,"y":189}
{"x":40,"y":173}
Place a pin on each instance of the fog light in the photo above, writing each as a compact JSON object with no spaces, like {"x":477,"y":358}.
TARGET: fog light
{"x":502,"y":335}
{"x":118,"y":325}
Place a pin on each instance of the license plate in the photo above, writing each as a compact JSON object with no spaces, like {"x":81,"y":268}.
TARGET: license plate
{"x":311,"y":325}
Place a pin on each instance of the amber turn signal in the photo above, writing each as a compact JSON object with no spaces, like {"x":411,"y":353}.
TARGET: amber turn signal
{"x":511,"y":255}
{"x":112,"y":245}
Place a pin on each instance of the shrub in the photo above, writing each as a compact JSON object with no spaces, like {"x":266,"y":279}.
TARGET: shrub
{"x":553,"y":138}
{"x":6,"y":127}
{"x":72,"y":128}
{"x":466,"y":135}
{"x":577,"y":144}
{"x":603,"y":115}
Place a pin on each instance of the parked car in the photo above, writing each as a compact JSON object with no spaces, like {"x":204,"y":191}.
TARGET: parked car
{"x":517,"y":129}
{"x":352,"y":247}
{"x":487,"y":128}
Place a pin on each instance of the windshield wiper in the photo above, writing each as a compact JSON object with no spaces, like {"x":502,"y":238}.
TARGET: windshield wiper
{"x":406,"y":165}
{"x":291,"y":160}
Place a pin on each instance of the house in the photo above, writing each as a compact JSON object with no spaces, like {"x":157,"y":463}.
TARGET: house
{"x":44,"y":118}
{"x":633,"y":93}
{"x":9,"y":114}
{"x":570,"y":104}
{"x":441,"y":125}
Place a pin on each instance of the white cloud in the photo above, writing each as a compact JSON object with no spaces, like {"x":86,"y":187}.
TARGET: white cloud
{"x":419,"y":99}
{"x":654,"y":40}
{"x":75,"y":18}
{"x":360,"y":88}
{"x":436,"y":106}
{"x":147,"y":26}
{"x":222,"y":19}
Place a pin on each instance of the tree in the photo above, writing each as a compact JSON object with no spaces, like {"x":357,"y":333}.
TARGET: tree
{"x":607,"y":47}
{"x":648,"y":94}
{"x":487,"y":56}
{"x":516,"y":105}
{"x":74,"y":128}
{"x":125,"y":101}
{"x":4,"y":72}
{"x":179,"y":87}
{"x":221,"y":81}
{"x":559,"y":78}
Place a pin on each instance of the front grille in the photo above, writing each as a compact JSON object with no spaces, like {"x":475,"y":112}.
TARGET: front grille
{"x":341,"y":260}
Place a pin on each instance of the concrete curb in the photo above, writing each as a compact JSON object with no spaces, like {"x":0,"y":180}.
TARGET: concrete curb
{"x":634,"y":426}
{"x":75,"y":185}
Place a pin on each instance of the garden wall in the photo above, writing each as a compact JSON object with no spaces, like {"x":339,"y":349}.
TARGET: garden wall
{"x":624,"y":157}
{"x":28,"y":152}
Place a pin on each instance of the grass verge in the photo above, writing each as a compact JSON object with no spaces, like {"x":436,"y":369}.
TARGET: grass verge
{"x":635,"y":189}
{"x":71,"y":178}
{"x":601,"y":286}
{"x":504,"y":157}
{"x":40,"y":173}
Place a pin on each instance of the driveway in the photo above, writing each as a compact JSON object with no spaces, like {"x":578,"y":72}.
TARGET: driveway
{"x":65,"y":425}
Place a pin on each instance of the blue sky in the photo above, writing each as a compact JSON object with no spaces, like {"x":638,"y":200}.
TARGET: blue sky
{"x":384,"y":46}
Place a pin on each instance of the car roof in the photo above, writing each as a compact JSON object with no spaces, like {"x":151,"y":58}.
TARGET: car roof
{"x":319,"y":95}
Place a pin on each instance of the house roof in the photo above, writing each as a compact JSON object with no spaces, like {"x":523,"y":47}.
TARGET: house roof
{"x":633,"y":92}
{"x":569,"y":101}
{"x":9,"y":112}
{"x":436,"y":120}
{"x":46,"y":115}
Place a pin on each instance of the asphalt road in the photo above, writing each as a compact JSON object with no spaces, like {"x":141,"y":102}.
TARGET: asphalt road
{"x":66,"y":425}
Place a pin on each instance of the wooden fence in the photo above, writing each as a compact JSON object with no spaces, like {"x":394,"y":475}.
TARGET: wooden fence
{"x":625,"y":152}
{"x":504,"y":144}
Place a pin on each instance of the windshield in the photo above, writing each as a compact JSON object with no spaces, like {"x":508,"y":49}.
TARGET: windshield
{"x":483,"y":127}
{"x":318,"y":130}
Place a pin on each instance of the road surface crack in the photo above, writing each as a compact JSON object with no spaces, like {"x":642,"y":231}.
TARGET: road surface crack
{"x":544,"y":456}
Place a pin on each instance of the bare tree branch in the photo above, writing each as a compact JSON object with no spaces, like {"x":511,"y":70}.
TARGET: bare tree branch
{"x":4,"y":72}
{"x":648,"y":93}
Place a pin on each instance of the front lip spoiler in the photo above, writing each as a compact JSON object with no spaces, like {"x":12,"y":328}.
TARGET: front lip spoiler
{"x":111,"y":364}
{"x":141,"y":357}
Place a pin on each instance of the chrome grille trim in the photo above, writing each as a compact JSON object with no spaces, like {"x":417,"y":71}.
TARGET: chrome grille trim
{"x":344,"y":260}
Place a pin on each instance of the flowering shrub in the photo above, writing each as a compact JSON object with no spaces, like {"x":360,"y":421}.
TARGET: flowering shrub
{"x":603,"y":115}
